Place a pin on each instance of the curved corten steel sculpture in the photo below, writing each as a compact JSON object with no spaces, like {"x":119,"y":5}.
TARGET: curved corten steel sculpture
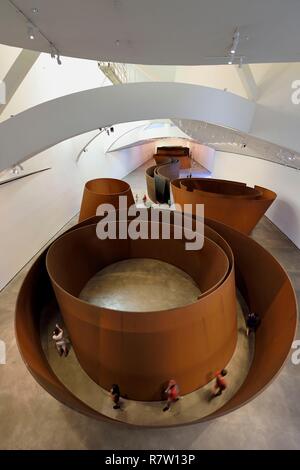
{"x":182,"y":154}
{"x":232,"y":203}
{"x":158,"y":178}
{"x":139,"y":350}
{"x":103,"y":191}
{"x":150,"y":182}
{"x":273,"y":300}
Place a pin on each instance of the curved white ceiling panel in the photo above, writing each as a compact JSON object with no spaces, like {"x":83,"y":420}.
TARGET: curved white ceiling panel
{"x":174,"y":32}
{"x":49,"y":123}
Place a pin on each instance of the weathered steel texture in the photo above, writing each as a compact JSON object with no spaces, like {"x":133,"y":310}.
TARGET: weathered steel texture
{"x":262,"y":280}
{"x":229,"y":202}
{"x":103,"y":191}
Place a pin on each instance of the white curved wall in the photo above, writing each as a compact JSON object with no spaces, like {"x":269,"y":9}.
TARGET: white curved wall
{"x":285,"y":211}
{"x":52,"y":122}
{"x":33,"y":209}
{"x":164,"y":133}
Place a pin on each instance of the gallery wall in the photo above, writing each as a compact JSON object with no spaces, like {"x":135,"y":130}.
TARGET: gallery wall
{"x":34,"y":209}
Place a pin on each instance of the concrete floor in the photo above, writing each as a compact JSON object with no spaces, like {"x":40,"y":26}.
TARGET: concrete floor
{"x":31,"y":419}
{"x":135,"y":285}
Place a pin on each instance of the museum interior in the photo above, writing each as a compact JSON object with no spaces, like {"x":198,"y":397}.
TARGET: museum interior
{"x":150,"y":224}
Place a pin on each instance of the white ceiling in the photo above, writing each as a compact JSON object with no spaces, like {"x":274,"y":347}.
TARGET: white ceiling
{"x":178,"y":32}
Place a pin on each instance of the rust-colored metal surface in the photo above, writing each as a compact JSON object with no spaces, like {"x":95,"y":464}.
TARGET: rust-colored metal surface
{"x":35,"y":295}
{"x":263,"y":282}
{"x":103,"y":191}
{"x":182,"y":154}
{"x":269,"y":292}
{"x":173,"y":150}
{"x":229,"y":202}
{"x":161,"y":159}
{"x":139,"y":351}
{"x":158,"y":179}
{"x":150,"y":182}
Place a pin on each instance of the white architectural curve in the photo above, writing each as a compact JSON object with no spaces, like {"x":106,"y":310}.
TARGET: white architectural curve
{"x":49,"y":123}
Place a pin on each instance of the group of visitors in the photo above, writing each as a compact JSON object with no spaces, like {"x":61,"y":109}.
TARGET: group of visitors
{"x":144,"y":199}
{"x":172,"y":393}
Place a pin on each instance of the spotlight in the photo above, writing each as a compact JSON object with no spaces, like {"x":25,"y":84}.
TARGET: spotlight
{"x":34,"y":10}
{"x":235,"y":41}
{"x":30,"y":32}
{"x":58,"y":59}
{"x":112,"y":129}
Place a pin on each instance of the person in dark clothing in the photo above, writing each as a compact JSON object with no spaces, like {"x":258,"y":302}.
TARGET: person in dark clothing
{"x":252,"y":323}
{"x":115,"y":396}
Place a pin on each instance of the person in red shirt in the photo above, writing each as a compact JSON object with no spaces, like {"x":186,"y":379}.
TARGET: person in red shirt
{"x":172,"y":392}
{"x":221,"y":383}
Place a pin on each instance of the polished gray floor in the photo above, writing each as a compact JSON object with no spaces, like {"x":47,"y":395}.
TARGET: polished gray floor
{"x":32,"y":419}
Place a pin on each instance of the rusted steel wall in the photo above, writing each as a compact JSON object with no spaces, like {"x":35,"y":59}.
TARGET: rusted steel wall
{"x":262,"y":280}
{"x":231,"y":203}
{"x":140,"y":351}
{"x":103,"y":191}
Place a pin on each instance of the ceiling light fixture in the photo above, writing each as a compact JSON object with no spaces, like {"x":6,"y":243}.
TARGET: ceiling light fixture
{"x":33,"y":30}
{"x":30,"y":33}
{"x":234,"y":46}
{"x":235,"y":41}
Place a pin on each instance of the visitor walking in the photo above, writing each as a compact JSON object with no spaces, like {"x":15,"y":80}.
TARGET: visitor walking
{"x":172,"y":392}
{"x":115,"y":396}
{"x":220,"y":384}
{"x":60,"y":341}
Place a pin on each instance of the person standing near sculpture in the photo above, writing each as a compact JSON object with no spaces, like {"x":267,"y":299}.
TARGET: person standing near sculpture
{"x":172,"y":392}
{"x":220,"y":384}
{"x":252,"y":323}
{"x":115,"y":396}
{"x":60,"y":341}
